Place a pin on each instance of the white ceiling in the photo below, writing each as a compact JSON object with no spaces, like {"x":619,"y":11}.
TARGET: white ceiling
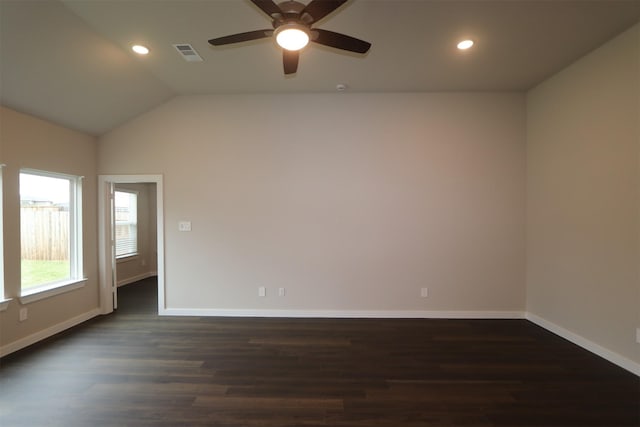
{"x":70,"y":62}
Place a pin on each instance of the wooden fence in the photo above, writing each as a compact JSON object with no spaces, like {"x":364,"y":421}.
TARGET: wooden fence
{"x":44,"y":233}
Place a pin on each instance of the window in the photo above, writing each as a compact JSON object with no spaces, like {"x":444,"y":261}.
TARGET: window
{"x":50,"y":230}
{"x":126,"y":213}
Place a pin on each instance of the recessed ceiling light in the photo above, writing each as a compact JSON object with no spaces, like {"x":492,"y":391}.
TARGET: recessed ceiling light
{"x":139,"y":49}
{"x":465,"y":44}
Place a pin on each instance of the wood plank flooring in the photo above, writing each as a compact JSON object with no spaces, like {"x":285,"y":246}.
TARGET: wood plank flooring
{"x":134,"y":368}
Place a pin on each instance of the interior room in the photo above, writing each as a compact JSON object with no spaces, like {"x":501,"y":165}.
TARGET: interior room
{"x":381,"y":180}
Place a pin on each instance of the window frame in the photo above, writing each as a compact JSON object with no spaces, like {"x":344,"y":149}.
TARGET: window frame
{"x":128,"y":255}
{"x":4,"y":300}
{"x":76,"y":277}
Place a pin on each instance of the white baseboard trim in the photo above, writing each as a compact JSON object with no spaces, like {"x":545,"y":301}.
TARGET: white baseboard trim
{"x":581,"y":341}
{"x":388,"y":314}
{"x":137,"y":277}
{"x":46,"y":333}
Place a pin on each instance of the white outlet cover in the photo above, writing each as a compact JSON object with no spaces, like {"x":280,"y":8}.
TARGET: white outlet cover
{"x":424,"y":292}
{"x":638,"y":335}
{"x":281,"y":292}
{"x":262,"y":291}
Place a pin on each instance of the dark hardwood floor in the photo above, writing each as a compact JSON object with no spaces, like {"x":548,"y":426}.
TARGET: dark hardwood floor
{"x":133,"y":368}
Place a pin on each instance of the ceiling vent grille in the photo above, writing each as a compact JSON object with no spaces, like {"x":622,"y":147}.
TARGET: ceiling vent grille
{"x":188,"y":52}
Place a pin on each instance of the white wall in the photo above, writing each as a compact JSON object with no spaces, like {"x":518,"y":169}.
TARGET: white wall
{"x":352,"y":202}
{"x":583,"y":187}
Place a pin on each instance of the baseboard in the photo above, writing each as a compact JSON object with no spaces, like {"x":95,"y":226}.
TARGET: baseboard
{"x":390,"y":314}
{"x":136,"y":278}
{"x":581,"y":341}
{"x":46,"y":333}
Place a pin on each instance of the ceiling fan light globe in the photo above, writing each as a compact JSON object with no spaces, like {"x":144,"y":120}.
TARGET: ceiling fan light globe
{"x":292,"y":38}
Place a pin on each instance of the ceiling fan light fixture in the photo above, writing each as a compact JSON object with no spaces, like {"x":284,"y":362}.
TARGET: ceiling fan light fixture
{"x":292,"y":36}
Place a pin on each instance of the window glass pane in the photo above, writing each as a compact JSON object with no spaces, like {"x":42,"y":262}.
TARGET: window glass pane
{"x":45,"y":229}
{"x":126,"y":207}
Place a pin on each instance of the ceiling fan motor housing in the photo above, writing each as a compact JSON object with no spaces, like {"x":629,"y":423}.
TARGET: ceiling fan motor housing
{"x":292,"y":12}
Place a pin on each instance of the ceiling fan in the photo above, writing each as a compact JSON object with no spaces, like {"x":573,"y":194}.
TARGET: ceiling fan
{"x":292,"y":27}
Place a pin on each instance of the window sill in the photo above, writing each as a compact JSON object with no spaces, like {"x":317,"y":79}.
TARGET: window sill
{"x":127,"y":258}
{"x":4,"y":303}
{"x":38,"y":294}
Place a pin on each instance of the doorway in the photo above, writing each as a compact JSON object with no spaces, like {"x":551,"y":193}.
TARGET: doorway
{"x":108,"y":262}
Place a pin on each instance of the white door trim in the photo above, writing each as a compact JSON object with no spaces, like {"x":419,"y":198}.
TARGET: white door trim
{"x":105,"y":253}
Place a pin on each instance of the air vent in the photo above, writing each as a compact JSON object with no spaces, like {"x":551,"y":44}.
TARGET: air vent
{"x":188,"y":52}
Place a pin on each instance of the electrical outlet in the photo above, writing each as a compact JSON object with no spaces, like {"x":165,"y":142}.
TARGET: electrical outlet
{"x":638,"y":335}
{"x":281,"y":292}
{"x":24,"y":314}
{"x":262,"y":291}
{"x":424,"y":292}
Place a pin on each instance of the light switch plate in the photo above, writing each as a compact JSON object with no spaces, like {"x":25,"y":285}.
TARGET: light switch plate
{"x":184,"y":226}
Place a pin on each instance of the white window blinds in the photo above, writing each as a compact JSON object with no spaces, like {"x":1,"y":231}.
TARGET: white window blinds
{"x":126,"y":212}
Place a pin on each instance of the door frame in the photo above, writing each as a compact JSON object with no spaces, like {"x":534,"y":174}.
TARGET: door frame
{"x":106,"y":254}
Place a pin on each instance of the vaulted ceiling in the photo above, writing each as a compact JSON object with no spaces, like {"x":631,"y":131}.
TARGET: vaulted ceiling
{"x":70,"y":61}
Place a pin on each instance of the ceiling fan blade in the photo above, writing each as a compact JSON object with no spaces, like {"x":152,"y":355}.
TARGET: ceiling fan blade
{"x":318,"y":9}
{"x":339,"y":41}
{"x":241,"y":37}
{"x":267,"y":6}
{"x":290,"y":60}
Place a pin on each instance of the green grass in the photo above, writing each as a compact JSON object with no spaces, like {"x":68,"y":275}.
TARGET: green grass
{"x":35,"y":273}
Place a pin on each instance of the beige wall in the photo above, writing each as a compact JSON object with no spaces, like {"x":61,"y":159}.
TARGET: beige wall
{"x":349,"y":201}
{"x":583,"y":183}
{"x":28,"y":142}
{"x":144,"y":264}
